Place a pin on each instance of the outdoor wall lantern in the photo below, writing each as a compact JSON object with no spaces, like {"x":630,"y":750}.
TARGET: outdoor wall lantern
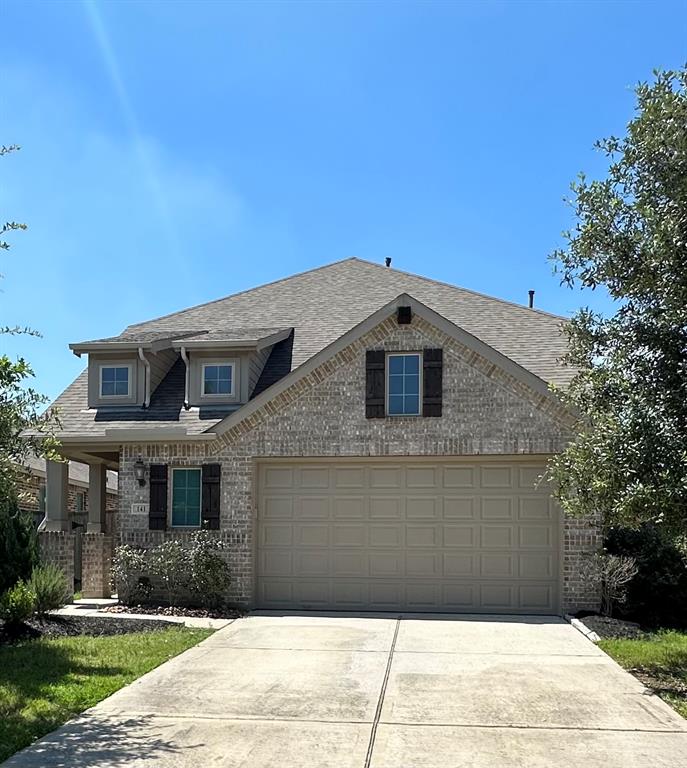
{"x":140,"y":472}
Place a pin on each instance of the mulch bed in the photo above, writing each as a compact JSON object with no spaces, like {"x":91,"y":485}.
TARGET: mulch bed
{"x":607,"y":628}
{"x":71,"y":626}
{"x":166,"y":610}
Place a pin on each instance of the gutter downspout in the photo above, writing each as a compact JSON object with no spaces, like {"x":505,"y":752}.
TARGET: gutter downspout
{"x":146,"y":362}
{"x":184,"y":357}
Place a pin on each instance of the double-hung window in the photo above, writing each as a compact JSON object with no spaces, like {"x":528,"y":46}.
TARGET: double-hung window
{"x":186,"y":489}
{"x":218,"y":379}
{"x":115,"y":380}
{"x":403,"y":384}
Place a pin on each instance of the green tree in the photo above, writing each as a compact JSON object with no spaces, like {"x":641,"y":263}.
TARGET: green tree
{"x":20,"y":410}
{"x":628,"y":460}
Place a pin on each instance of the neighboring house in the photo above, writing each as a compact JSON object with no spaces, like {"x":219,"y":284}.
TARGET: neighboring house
{"x":360,"y":437}
{"x":32,"y":492}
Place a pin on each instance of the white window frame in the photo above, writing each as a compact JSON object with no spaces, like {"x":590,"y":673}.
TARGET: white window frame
{"x":170,"y":505}
{"x":386,"y":385}
{"x":129,"y":368}
{"x":218,"y":395}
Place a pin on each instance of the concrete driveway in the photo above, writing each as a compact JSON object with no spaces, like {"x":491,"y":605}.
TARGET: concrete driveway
{"x":290,"y":691}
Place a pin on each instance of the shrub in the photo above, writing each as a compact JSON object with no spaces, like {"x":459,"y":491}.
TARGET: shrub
{"x":209,"y":573}
{"x":129,"y":574}
{"x":18,"y":543}
{"x":170,"y":562}
{"x":18,"y":603}
{"x":49,"y":585}
{"x":610,"y":574}
{"x":657,"y":596}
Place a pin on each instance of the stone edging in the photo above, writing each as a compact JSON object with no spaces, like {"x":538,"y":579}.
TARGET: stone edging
{"x":580,"y":626}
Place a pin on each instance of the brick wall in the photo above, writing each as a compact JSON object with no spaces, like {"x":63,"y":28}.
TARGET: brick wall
{"x":485,"y":411}
{"x":57,"y":547}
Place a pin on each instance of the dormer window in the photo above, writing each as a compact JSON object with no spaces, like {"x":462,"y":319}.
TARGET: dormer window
{"x":115,"y":380}
{"x":218,"y":379}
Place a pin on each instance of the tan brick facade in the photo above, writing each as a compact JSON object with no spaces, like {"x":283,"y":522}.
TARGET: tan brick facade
{"x":485,"y":412}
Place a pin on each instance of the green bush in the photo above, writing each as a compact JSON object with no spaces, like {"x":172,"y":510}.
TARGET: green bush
{"x":657,"y":595}
{"x":170,"y":562}
{"x":49,"y":585}
{"x":209,"y":573}
{"x":18,"y":543}
{"x":129,"y":574}
{"x":18,"y":603}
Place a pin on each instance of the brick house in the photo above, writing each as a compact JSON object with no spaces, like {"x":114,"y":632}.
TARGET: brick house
{"x":360,"y":437}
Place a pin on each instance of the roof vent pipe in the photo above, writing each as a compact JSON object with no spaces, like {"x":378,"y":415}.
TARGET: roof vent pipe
{"x":387,"y":261}
{"x":531,"y":293}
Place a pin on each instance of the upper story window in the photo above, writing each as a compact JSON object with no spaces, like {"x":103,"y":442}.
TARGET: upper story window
{"x":186,"y":498}
{"x":115,"y":380}
{"x":403,"y":384}
{"x":218,"y":379}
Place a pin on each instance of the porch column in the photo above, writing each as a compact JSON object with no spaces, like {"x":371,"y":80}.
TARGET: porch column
{"x":97,"y":498}
{"x":57,"y":497}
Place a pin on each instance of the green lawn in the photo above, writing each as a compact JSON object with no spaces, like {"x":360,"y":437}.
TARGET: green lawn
{"x":45,"y":682}
{"x":659,"y":661}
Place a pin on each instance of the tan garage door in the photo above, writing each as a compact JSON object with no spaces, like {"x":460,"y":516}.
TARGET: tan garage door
{"x":407,"y":535}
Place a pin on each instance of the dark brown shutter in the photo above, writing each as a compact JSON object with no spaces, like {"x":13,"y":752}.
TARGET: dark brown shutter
{"x":211,"y":496}
{"x":157,"y":510}
{"x":375,"y":365}
{"x":432,"y":379}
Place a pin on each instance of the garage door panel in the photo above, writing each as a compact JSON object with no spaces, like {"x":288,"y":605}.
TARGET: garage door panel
{"x":386,"y":564}
{"x":385,"y":477}
{"x":422,"y":508}
{"x":407,"y":535}
{"x":386,"y":507}
{"x":423,"y":535}
{"x":496,"y":536}
{"x":386,"y":536}
{"x":423,"y":476}
{"x":460,"y":564}
{"x":313,"y":508}
{"x":497,"y":508}
{"x":535,"y":566}
{"x":350,"y":563}
{"x":423,"y":565}
{"x":314,"y":477}
{"x":311,"y":535}
{"x":276,"y":562}
{"x":347,"y":478}
{"x":497,"y":565}
{"x":461,"y":535}
{"x":459,"y":476}
{"x":535,"y":536}
{"x":497,"y":476}
{"x":312,"y":564}
{"x":349,"y":508}
{"x":278,"y":508}
{"x":459,"y":507}
{"x":459,"y":597}
{"x":273,"y":535}
{"x":386,"y":595}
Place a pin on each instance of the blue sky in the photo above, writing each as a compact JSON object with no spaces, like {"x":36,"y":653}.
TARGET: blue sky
{"x":176,"y":152}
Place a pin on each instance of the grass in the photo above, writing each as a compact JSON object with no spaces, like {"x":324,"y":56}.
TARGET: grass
{"x":659,"y":661}
{"x":45,"y":682}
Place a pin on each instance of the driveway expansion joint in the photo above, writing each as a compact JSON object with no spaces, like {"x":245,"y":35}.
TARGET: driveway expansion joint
{"x":380,"y":702}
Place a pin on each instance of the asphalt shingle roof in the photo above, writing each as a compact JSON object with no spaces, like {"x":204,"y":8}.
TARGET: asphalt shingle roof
{"x":324,"y":303}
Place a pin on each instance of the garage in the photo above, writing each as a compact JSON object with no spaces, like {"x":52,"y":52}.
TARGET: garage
{"x":412,"y":534}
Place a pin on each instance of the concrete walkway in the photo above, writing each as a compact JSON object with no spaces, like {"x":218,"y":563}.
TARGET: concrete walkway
{"x":289,"y":691}
{"x":94,"y":606}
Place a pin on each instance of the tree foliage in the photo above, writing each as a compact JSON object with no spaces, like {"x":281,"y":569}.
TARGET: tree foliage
{"x":20,"y":410}
{"x":629,"y":458}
